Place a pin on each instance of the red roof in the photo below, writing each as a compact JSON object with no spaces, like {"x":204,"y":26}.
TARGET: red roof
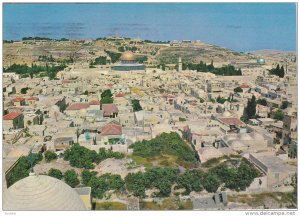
{"x":16,"y":107}
{"x":78,"y":106}
{"x":11,"y":116}
{"x":33,"y":98}
{"x":67,"y":81}
{"x":109,"y":108}
{"x":94,"y":102}
{"x":244,"y":85}
{"x":111,"y":129}
{"x":168,"y":96}
{"x":17,"y":99}
{"x":120,"y":95}
{"x":232,"y":121}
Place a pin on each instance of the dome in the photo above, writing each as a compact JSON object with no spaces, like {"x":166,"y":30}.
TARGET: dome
{"x":245,"y":136}
{"x":226,"y":114}
{"x":41,"y":192}
{"x":257,"y":136}
{"x":228,"y":138}
{"x":260,"y":61}
{"x":128,"y":56}
{"x":236,"y":145}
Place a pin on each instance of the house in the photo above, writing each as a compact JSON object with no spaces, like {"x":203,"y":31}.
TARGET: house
{"x":77,"y":109}
{"x":94,"y":105}
{"x":32,"y":100}
{"x":111,"y":129}
{"x":18,"y":101}
{"x":276,"y":170}
{"x":111,"y":133}
{"x":110,"y":110}
{"x":13,"y":120}
{"x":231,"y":124}
{"x":62,"y":143}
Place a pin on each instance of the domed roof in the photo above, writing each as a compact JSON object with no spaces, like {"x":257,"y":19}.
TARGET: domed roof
{"x":245,"y":136}
{"x":226,"y":114}
{"x":236,"y":144}
{"x":257,"y":136}
{"x":228,"y":138}
{"x":41,"y":192}
{"x":128,"y":56}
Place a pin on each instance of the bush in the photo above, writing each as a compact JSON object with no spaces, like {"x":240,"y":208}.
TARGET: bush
{"x":182,"y":119}
{"x":279,"y":115}
{"x":284,"y":105}
{"x":211,"y":183}
{"x":190,"y":180}
{"x":236,"y":179}
{"x":238,"y":89}
{"x":160,"y":178}
{"x":55,"y":173}
{"x":82,"y":157}
{"x":104,"y":183}
{"x":22,"y":168}
{"x":49,"y":156}
{"x":165,"y":143}
{"x":71,"y":179}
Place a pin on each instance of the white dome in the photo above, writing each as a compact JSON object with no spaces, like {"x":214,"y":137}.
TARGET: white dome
{"x":257,"y":136}
{"x":41,"y":192}
{"x":226,"y":114}
{"x":245,"y":136}
{"x":236,"y":145}
{"x":228,"y":138}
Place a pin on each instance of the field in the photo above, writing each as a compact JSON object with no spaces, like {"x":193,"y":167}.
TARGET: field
{"x":268,"y":200}
{"x":167,"y":204}
{"x":110,"y":206}
{"x":160,"y":161}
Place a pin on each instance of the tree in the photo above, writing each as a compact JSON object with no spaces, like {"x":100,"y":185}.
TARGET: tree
{"x":106,"y":100}
{"x":121,"y":49}
{"x":211,"y":183}
{"x":279,"y":115}
{"x":29,"y":122}
{"x":136,"y":105}
{"x":278,"y":71}
{"x":262,"y":102}
{"x":251,"y":108}
{"x":284,"y":104}
{"x":24,"y":90}
{"x":70,"y":178}
{"x":238,"y":89}
{"x":106,"y":97}
{"x":105,"y":183}
{"x":86,"y":176}
{"x":49,"y":156}
{"x":190,"y":180}
{"x":221,"y":100}
{"x":82,"y":157}
{"x":281,"y":72}
{"x":55,"y":173}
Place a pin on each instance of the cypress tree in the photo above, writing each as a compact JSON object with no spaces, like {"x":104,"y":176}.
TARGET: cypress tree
{"x":251,"y":108}
{"x":281,"y":72}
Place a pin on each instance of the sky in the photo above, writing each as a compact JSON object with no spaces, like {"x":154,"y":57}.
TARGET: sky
{"x":238,"y":26}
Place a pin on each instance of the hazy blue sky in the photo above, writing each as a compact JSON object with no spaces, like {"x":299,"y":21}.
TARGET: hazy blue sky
{"x":242,"y":27}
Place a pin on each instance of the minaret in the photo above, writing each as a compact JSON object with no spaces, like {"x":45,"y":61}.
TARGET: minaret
{"x":179,"y":65}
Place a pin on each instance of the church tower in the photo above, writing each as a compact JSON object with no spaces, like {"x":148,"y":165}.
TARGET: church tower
{"x":179,"y":65}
